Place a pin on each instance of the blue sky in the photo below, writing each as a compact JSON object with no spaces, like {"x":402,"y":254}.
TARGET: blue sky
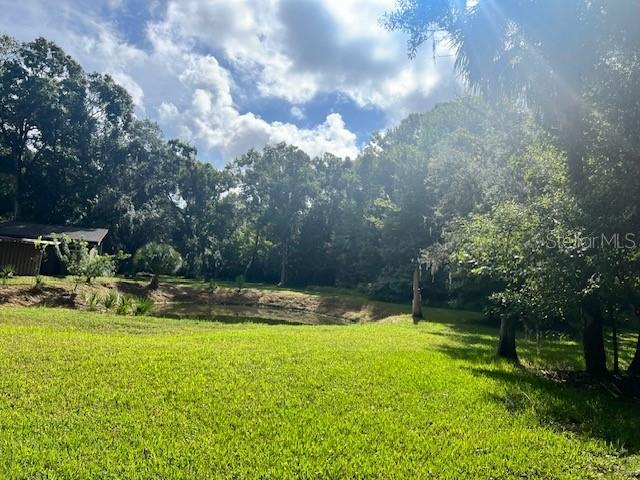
{"x":228,"y":75}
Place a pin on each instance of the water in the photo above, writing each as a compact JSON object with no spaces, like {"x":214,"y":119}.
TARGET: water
{"x":243,"y":314}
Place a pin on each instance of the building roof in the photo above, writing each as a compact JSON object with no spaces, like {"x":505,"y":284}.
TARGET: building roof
{"x":33,"y":231}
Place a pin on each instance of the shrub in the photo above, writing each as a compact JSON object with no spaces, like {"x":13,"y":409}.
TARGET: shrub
{"x":111,"y":299}
{"x":142,"y":306}
{"x":38,"y":283}
{"x":84,"y":263}
{"x":6,"y":273}
{"x":92,"y":299}
{"x":125,"y":305}
{"x":157,"y":259}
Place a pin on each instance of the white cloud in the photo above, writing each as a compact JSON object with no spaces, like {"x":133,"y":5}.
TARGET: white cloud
{"x":204,"y":57}
{"x":135,"y":90}
{"x":213,"y":123}
{"x":295,"y":49}
{"x":167,"y":111}
{"x":297,"y":113}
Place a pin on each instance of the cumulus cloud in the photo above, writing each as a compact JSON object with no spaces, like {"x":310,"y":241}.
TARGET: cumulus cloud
{"x":201,"y":58}
{"x":295,"y":49}
{"x":297,"y":113}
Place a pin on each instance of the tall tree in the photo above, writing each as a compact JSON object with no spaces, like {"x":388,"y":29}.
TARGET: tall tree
{"x":277,"y":183}
{"x":43,"y":121}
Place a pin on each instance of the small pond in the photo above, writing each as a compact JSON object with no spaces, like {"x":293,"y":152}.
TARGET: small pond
{"x":244,"y":314}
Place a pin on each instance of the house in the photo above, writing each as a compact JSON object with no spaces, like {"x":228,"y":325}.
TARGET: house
{"x":19,"y":246}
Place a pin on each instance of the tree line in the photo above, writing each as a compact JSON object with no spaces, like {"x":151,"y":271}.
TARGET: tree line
{"x":484,"y":202}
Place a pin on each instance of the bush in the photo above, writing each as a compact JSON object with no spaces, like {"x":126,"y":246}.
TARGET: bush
{"x":142,"y":306}
{"x":157,"y":259}
{"x":6,"y":273}
{"x":111,"y":299}
{"x":38,"y":283}
{"x":92,"y":299}
{"x":84,"y":263}
{"x":125,"y":305}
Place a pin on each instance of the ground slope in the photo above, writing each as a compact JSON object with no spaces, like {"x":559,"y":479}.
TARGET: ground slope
{"x":87,"y":395}
{"x":183,"y":298}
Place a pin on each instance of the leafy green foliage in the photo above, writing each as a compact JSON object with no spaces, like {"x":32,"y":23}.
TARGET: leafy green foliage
{"x":7,"y":272}
{"x":92,"y":299}
{"x":84,"y":263}
{"x":157,"y":259}
{"x":240,"y":282}
{"x":142,"y":306}
{"x":111,"y":300}
{"x":277,"y":185}
{"x":125,"y":305}
{"x":39,"y":283}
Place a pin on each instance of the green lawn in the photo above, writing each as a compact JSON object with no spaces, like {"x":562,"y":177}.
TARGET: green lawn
{"x":85,"y":396}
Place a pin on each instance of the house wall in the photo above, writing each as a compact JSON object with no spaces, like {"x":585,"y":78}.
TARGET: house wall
{"x":25,"y":258}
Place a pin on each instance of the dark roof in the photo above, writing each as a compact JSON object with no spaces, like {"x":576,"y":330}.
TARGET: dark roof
{"x":33,"y":231}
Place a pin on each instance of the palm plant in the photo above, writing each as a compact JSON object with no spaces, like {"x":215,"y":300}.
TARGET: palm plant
{"x":6,"y":273}
{"x":142,"y":306}
{"x":111,"y":299}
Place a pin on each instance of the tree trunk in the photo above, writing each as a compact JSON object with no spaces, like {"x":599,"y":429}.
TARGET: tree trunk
{"x":155,"y":283}
{"x":17,"y":187}
{"x":507,"y":342}
{"x":595,"y":357}
{"x":16,"y":201}
{"x":614,"y":341}
{"x":634,"y":367}
{"x":416,"y":304}
{"x":254,"y":253}
{"x":283,"y":263}
{"x":18,"y":153}
{"x":574,"y":129}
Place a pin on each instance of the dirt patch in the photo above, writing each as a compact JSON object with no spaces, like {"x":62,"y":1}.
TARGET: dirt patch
{"x":48,"y":296}
{"x":188,"y":300}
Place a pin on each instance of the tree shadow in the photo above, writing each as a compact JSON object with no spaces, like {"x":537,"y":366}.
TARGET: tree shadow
{"x":131,"y":288}
{"x":235,"y":320}
{"x":584,"y":410}
{"x":591,"y":408}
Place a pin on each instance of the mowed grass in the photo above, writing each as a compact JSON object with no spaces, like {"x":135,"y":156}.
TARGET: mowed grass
{"x":85,"y":396}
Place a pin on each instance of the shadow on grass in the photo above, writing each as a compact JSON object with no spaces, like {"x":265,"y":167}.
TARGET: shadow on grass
{"x":234,"y":320}
{"x":589,"y":409}
{"x":131,"y":288}
{"x":582,"y":410}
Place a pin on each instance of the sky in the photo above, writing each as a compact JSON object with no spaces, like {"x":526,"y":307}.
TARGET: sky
{"x":230,"y":75}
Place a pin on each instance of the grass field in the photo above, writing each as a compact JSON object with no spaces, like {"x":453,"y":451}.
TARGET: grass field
{"x":85,"y":396}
